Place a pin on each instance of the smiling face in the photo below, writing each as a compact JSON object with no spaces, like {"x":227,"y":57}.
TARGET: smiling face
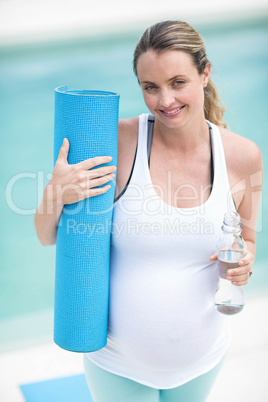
{"x":173,"y":89}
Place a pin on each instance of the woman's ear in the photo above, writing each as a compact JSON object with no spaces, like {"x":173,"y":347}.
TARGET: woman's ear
{"x":206,"y":74}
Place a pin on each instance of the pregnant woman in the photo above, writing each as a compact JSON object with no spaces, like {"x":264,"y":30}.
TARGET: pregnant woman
{"x":179,"y":170}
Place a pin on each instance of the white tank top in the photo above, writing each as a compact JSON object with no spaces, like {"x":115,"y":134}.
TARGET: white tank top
{"x":163,"y":327}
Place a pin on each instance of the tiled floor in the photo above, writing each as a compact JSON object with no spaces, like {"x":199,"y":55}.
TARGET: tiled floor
{"x":243,"y":377}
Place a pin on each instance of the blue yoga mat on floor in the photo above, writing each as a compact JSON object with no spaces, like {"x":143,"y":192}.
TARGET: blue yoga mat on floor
{"x":67,"y":389}
{"x":89,"y":119}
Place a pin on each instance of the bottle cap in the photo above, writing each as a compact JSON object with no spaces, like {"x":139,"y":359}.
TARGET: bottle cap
{"x":231,"y":219}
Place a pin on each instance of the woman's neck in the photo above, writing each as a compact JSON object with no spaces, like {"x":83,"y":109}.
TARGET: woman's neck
{"x":185,"y":139}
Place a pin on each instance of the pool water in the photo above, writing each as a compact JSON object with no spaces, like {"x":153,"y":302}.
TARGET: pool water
{"x":28,"y":76}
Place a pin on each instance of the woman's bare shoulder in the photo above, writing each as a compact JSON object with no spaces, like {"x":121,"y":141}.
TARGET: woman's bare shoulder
{"x":242,"y":154}
{"x":127,"y":142}
{"x":128,"y":128}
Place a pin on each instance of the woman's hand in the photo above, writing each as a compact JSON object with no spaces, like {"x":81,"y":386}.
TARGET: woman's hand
{"x":69,"y":184}
{"x":72,"y":183}
{"x":239,"y":276}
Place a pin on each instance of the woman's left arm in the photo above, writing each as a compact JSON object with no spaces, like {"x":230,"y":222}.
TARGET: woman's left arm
{"x":251,"y":172}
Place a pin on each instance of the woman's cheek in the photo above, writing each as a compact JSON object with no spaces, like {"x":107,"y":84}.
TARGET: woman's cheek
{"x":150,"y":101}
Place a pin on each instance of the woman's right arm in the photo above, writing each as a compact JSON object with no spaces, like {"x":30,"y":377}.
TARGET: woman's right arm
{"x":69,"y":184}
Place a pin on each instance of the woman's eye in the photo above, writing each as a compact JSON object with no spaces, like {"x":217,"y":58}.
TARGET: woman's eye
{"x":179,"y":83}
{"x":149,"y":88}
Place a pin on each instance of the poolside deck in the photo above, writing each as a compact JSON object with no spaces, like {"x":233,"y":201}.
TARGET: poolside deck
{"x":242,"y":378}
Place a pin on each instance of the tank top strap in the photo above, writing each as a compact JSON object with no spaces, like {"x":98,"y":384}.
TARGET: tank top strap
{"x":221,"y":182}
{"x":220,"y":169}
{"x":143,"y":133}
{"x":150,"y":136}
{"x":141,"y":160}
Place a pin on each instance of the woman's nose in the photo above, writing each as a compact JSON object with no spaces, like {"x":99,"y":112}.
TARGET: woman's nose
{"x":166,"y":98}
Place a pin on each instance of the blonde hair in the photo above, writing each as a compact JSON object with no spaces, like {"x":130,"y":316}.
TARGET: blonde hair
{"x":178,"y":35}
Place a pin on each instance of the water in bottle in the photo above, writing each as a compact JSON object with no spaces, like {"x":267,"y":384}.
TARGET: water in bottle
{"x":229,"y":298}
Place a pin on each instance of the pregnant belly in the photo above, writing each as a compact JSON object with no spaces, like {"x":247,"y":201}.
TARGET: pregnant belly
{"x":163,"y":320}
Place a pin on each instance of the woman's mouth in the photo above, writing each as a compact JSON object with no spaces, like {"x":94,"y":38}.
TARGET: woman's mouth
{"x":173,"y":112}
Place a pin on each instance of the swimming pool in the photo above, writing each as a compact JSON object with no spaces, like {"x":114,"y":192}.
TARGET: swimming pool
{"x":28,"y":76}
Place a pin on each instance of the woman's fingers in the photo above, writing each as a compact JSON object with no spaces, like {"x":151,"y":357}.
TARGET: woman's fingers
{"x":63,"y":153}
{"x":71,"y":182}
{"x":71,"y":193}
{"x":94,"y":173}
{"x":92,"y":192}
{"x":247,"y":259}
{"x":239,"y":280}
{"x":90,"y":187}
{"x":213,"y":257}
{"x":93,"y":162}
{"x":100,"y":180}
{"x":239,"y":276}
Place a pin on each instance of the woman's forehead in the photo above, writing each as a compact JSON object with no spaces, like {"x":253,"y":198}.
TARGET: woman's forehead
{"x":168,"y":63}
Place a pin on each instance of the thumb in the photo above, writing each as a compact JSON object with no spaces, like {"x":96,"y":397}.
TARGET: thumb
{"x":213,"y":257}
{"x":63,"y":154}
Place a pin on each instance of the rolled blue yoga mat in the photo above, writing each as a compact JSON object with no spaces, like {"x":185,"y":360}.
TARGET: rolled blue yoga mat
{"x":89,"y":119}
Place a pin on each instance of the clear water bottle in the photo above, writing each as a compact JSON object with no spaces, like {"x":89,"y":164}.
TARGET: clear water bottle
{"x":229,"y":298}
